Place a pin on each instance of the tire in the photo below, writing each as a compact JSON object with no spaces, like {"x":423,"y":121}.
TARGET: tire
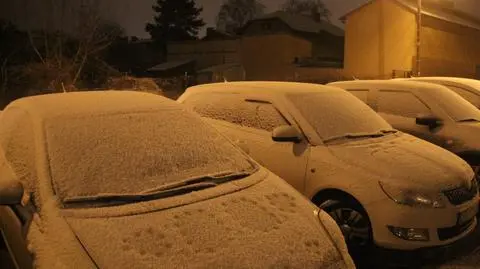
{"x":353,"y":222}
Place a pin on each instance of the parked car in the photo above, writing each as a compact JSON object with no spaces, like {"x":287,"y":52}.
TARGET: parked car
{"x":469,"y":89}
{"x":379,"y":184}
{"x":122,"y":179}
{"x":429,"y":111}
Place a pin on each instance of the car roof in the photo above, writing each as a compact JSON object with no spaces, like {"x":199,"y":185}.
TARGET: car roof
{"x":262,"y":87}
{"x":466,"y":81}
{"x":398,"y":84}
{"x":90,"y":103}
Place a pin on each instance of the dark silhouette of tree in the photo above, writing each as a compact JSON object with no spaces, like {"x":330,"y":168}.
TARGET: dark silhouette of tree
{"x":175,"y":20}
{"x":234,"y":14}
{"x":314,"y":8}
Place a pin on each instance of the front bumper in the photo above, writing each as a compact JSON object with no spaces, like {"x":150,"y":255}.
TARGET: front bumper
{"x":441,"y":223}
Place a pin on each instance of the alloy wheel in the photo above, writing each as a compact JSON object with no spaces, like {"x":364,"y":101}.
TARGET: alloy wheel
{"x":354,"y":226}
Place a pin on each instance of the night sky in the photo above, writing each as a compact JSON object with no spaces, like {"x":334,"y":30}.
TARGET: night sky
{"x":133,"y":14}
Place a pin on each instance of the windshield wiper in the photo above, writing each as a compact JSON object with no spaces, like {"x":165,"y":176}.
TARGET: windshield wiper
{"x":380,"y":133}
{"x":168,"y":190}
{"x":469,"y":120}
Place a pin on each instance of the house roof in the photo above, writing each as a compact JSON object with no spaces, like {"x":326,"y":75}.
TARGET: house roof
{"x":302,"y":23}
{"x":432,"y":10}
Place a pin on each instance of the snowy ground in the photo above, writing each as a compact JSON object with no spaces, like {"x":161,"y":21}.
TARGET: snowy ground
{"x":465,"y":254}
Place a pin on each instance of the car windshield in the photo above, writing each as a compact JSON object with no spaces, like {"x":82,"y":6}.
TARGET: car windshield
{"x":338,"y":114}
{"x":456,"y":106}
{"x":135,"y":152}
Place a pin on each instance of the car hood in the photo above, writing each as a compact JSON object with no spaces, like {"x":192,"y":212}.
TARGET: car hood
{"x":267,"y":225}
{"x":404,"y":159}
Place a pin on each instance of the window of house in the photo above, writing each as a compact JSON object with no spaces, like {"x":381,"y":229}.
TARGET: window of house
{"x":235,"y":109}
{"x":466,"y":94}
{"x":404,"y":104}
{"x":360,"y":94}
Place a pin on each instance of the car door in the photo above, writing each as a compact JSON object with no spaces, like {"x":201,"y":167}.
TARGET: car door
{"x":400,"y":108}
{"x":249,"y":121}
{"x":14,"y":224}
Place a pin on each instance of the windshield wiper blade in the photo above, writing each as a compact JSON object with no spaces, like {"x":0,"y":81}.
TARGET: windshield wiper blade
{"x":469,"y":120}
{"x":389,"y":131}
{"x":353,"y":135}
{"x":214,"y":179}
{"x":126,"y":198}
{"x":168,"y":190}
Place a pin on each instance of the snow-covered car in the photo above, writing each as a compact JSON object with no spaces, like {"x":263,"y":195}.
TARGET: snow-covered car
{"x":468,"y":88}
{"x":428,"y":111}
{"x":379,"y":184}
{"x":124,"y":179}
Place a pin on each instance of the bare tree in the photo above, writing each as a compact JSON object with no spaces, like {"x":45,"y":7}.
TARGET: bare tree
{"x":234,"y":14}
{"x":70,"y":35}
{"x":314,"y":8}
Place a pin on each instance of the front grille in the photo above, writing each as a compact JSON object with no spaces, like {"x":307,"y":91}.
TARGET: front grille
{"x":451,"y":232}
{"x":462,"y":194}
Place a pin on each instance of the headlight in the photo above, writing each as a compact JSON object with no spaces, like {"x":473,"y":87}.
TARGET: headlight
{"x":411,"y":197}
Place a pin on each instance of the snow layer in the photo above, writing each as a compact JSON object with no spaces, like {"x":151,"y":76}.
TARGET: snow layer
{"x":133,"y":152}
{"x":250,"y":223}
{"x":236,"y":110}
{"x":267,"y":225}
{"x":429,"y":167}
{"x":337,"y":113}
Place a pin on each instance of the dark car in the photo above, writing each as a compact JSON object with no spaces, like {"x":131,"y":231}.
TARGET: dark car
{"x":123,"y":179}
{"x":429,"y":111}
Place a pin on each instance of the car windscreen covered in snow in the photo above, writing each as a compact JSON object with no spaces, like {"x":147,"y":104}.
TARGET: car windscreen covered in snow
{"x":334,"y":114}
{"x":128,"y":153}
{"x":455,"y":106}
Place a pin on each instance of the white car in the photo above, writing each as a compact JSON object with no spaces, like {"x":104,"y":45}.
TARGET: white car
{"x":122,"y":179}
{"x":379,"y":184}
{"x":468,"y":88}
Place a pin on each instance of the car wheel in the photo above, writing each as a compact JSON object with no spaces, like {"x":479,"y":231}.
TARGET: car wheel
{"x":352,"y":220}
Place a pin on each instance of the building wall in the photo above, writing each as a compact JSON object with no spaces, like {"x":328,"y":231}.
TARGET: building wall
{"x":206,"y":53}
{"x":379,"y":38}
{"x":448,"y":49}
{"x":271,"y":57}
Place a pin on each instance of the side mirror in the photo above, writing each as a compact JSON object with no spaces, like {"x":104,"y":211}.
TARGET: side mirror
{"x":428,"y":120}
{"x":286,"y":133}
{"x":11,"y":192}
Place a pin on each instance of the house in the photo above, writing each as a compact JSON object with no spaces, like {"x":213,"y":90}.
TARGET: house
{"x":381,"y":36}
{"x":277,"y":45}
{"x":216,"y":48}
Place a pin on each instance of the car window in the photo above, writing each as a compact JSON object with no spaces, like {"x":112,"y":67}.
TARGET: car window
{"x":399,"y":103}
{"x":236,"y":109}
{"x":333,"y":114}
{"x":468,"y":95}
{"x":360,"y":94}
{"x":128,"y":153}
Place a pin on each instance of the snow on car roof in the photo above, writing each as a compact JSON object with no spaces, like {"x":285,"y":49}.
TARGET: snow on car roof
{"x":264,"y":87}
{"x":467,"y":81}
{"x":399,"y":84}
{"x":91,"y":102}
